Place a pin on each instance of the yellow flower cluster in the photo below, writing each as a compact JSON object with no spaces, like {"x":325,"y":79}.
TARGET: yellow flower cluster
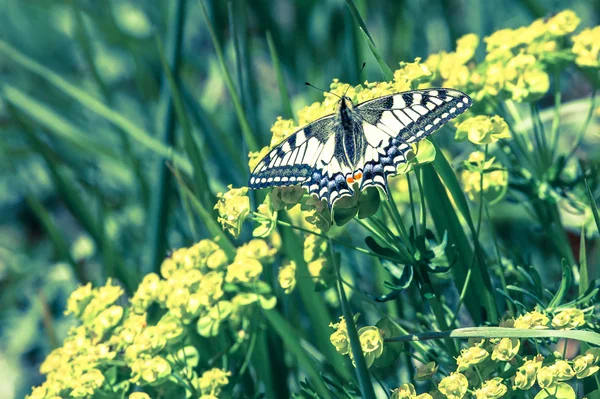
{"x":407,"y":391}
{"x":586,"y":47}
{"x":371,"y":341}
{"x":233,"y":208}
{"x":199,"y":284}
{"x":517,"y":61}
{"x":495,"y":178}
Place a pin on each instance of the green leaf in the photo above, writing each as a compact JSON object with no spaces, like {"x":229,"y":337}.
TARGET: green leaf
{"x":593,"y":206}
{"x":584,"y":280}
{"x":385,"y":69}
{"x":562,"y":390}
{"x":369,"y":202}
{"x":391,"y":351}
{"x":565,"y":284}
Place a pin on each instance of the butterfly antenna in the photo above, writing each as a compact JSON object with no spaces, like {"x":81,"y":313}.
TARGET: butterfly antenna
{"x":349,"y":85}
{"x":324,"y":91}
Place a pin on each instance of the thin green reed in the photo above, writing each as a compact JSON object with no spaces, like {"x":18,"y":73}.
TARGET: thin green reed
{"x":160,"y":203}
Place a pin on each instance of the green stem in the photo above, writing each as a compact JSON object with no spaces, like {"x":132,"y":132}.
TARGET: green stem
{"x":556,"y":119}
{"x":362,"y":372}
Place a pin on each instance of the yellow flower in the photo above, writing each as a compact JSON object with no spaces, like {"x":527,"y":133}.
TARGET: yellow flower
{"x":533,"y":320}
{"x":87,"y":384}
{"x":546,"y":377}
{"x":563,"y":23}
{"x":503,"y":39}
{"x":243,"y":270}
{"x":371,"y":343}
{"x":586,"y":47}
{"x":466,"y":46}
{"x":471,"y":356}
{"x":106,"y":321}
{"x":525,"y":78}
{"x":407,"y":391}
{"x":257,"y":249}
{"x":210,"y":322}
{"x":339,"y":338}
{"x":454,"y":386}
{"x":139,"y":395}
{"x":103,"y":297}
{"x":148,"y":291}
{"x":586,"y":365}
{"x":79,"y":299}
{"x":287,"y":277}
{"x":526,"y":374}
{"x":506,"y":349}
{"x":495,"y":179}
{"x":483,"y":129}
{"x":568,"y":319}
{"x":255,"y":157}
{"x":233,"y":207}
{"x":150,"y":371}
{"x":210,"y":289}
{"x":562,"y":370}
{"x":411,"y":74}
{"x":491,"y":389}
{"x":217,"y":260}
{"x":212,"y":381}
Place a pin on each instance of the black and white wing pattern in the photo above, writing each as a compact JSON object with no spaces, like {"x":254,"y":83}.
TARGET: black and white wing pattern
{"x":391,"y":123}
{"x":359,"y":146}
{"x":292,"y":161}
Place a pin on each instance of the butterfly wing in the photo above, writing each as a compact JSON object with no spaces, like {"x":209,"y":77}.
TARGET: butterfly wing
{"x":392,"y":123}
{"x":292,"y":161}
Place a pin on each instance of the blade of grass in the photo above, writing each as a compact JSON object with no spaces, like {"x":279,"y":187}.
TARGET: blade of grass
{"x":96,"y":106}
{"x":60,"y":127}
{"x":292,"y":342}
{"x":193,"y":152}
{"x":500,"y":332}
{"x":249,"y":136}
{"x":161,"y":192}
{"x":385,"y":69}
{"x":286,"y":106}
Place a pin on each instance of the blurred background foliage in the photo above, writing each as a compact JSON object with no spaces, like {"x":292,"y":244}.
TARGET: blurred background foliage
{"x":88,"y":117}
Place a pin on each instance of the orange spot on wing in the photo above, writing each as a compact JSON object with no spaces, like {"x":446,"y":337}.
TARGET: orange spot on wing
{"x":349,"y":179}
{"x":358,"y":175}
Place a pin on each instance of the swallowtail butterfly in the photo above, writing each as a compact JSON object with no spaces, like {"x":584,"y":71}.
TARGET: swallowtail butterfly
{"x":360,"y":145}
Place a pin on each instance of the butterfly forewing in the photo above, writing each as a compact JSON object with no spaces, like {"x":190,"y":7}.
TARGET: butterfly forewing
{"x":393,"y":122}
{"x":322,"y":155}
{"x":293,"y":160}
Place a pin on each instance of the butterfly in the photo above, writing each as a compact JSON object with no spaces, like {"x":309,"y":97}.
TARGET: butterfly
{"x":358,"y":146}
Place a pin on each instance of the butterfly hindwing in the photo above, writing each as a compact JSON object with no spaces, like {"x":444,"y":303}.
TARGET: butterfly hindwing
{"x":293,"y":160}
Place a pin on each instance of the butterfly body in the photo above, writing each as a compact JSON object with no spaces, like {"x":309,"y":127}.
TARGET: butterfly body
{"x":359,"y":145}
